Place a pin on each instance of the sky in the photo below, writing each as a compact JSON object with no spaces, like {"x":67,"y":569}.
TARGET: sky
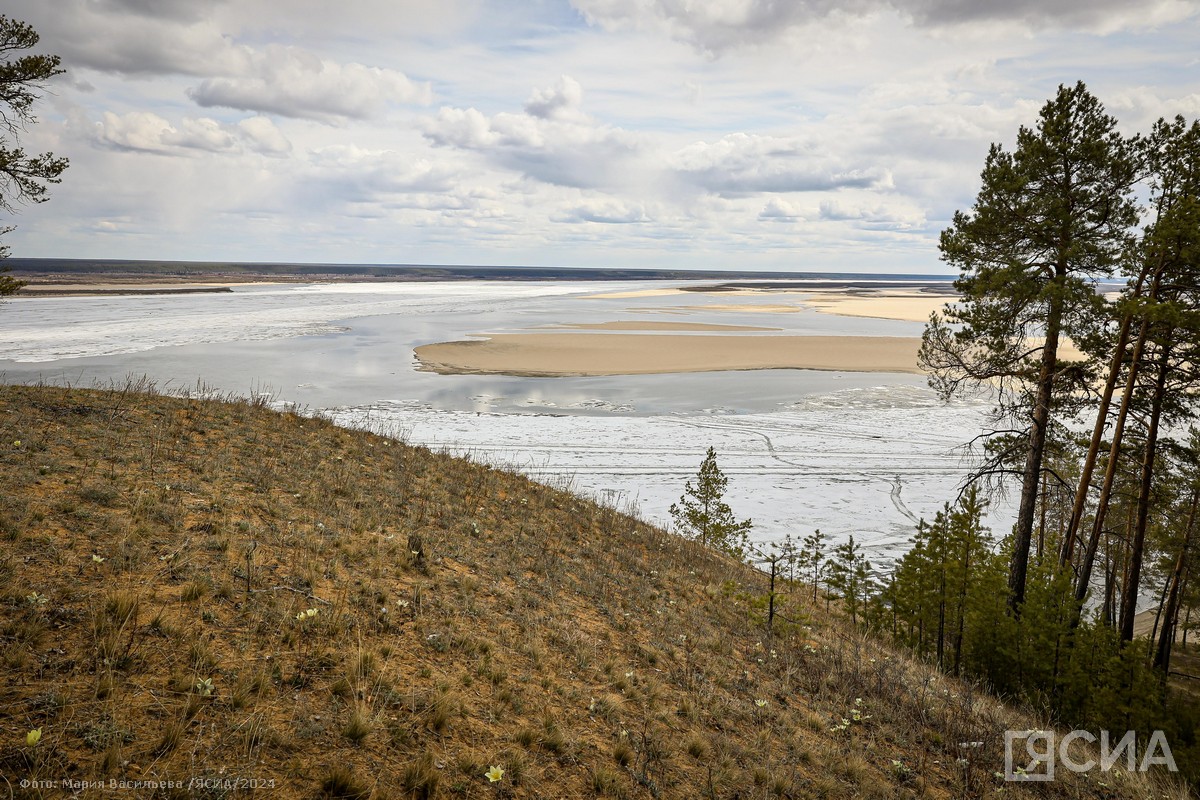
{"x":703,"y":134}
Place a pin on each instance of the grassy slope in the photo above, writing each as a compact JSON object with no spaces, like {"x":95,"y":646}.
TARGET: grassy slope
{"x":586,"y":653}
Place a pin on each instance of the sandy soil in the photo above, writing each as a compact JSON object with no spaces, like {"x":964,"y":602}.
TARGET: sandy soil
{"x":561,"y":354}
{"x":901,"y":304}
{"x":652,"y":325}
{"x":635,"y":293}
{"x":910,"y":306}
{"x":1143,"y":624}
{"x":759,"y":308}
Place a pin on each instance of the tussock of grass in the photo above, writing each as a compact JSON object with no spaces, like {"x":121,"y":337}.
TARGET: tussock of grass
{"x":195,"y":587}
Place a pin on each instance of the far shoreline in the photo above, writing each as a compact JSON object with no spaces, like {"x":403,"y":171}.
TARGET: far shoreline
{"x":47,"y":290}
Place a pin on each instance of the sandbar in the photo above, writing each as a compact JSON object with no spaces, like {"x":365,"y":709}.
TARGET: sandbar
{"x":579,"y":354}
{"x":756,"y":308}
{"x":906,"y":303}
{"x":633,"y":293}
{"x":902,"y":305}
{"x":655,"y":325}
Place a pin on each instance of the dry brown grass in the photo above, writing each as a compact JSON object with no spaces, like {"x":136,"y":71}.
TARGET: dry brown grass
{"x":203,"y":589}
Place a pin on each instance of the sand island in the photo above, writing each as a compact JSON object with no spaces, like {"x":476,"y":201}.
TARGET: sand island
{"x":564,"y":354}
{"x":633,"y":347}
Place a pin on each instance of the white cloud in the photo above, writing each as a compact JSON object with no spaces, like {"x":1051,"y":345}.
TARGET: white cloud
{"x":609,"y":212}
{"x":1098,"y":16}
{"x":551,"y":141}
{"x":147,"y":132}
{"x":181,"y":10}
{"x":555,"y":142}
{"x":677,"y":131}
{"x":720,"y":26}
{"x":296,"y":83}
{"x":138,"y":130}
{"x":894,"y":215}
{"x":467,"y":128}
{"x":358,"y":20}
{"x":261,"y":136}
{"x":145,"y":38}
{"x":216,"y":37}
{"x":106,"y":37}
{"x":749,"y":164}
{"x":1138,"y":107}
{"x":560,"y":101}
{"x":203,"y":134}
{"x":777,"y":210}
{"x":361,"y":174}
{"x":713,"y":26}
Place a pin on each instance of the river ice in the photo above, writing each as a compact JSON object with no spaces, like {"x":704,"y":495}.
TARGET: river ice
{"x":851,"y":454}
{"x":863,"y":462}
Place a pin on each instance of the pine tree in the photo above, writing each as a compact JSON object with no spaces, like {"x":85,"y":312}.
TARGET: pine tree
{"x":778,"y":560}
{"x":1051,"y":217}
{"x":850,"y":577}
{"x":23,"y":177}
{"x":811,"y":560}
{"x":937,"y":582}
{"x":702,"y":513}
{"x":969,"y":549}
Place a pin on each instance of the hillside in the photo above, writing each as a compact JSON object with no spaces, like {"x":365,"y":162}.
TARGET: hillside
{"x":207,"y":590}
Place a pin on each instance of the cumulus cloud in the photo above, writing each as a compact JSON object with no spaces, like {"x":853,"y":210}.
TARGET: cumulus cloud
{"x":467,"y":128}
{"x":383,"y":18}
{"x":182,"y":10}
{"x":716,"y":26}
{"x":148,"y":38}
{"x":146,"y":132}
{"x":133,"y":38}
{"x":203,"y":133}
{"x":552,"y":140}
{"x":741,"y":164}
{"x":261,"y":136}
{"x":209,"y":37}
{"x":777,"y":210}
{"x":561,"y":100}
{"x":366,"y":175}
{"x":609,"y":212}
{"x":880,"y":215}
{"x":1101,"y":16}
{"x":293,"y":82}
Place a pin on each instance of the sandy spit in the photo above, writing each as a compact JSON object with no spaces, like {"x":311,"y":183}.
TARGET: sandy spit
{"x":574,"y":354}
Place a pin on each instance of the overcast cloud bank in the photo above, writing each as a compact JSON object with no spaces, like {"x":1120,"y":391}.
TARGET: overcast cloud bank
{"x":729,"y":133}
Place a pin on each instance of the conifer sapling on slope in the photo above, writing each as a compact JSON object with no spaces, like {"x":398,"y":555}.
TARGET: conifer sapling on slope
{"x":703,"y":515}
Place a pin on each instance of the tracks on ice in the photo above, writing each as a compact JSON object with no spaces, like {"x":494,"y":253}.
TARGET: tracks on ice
{"x":897,"y":486}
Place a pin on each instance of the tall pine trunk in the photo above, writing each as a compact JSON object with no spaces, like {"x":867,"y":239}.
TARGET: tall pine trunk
{"x":1032,"y":473}
{"x":1137,"y":547}
{"x":962,"y":602}
{"x":1166,"y":639}
{"x":1084,"y":579}
{"x":1067,"y":552}
{"x":1158,"y":616}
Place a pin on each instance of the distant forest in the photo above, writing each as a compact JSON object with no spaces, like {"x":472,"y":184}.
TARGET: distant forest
{"x":409,"y":272}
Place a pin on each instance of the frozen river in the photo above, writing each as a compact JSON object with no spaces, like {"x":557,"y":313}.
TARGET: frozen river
{"x":849,"y":453}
